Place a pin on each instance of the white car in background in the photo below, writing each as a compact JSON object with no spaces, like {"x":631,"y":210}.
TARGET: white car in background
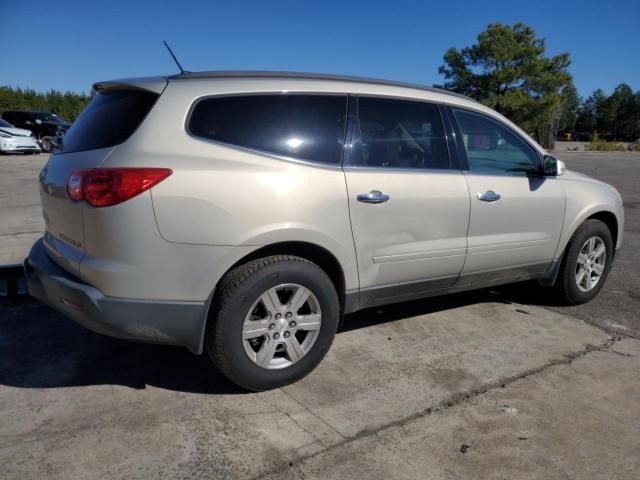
{"x":13,"y":140}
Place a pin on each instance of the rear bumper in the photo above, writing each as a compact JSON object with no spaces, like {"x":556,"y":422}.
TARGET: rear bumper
{"x":174,"y":323}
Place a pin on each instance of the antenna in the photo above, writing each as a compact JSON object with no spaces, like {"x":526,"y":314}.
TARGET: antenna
{"x":182,"y":70}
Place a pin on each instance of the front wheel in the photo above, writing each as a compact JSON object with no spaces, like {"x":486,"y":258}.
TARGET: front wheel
{"x":45,"y":145}
{"x":273,"y":322}
{"x":586,"y":263}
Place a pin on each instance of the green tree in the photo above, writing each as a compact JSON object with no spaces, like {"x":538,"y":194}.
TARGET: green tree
{"x":587,"y":120}
{"x":68,"y":105}
{"x":507,"y":70}
{"x":618,"y":111}
{"x":614,"y":117}
{"x":569,"y":108}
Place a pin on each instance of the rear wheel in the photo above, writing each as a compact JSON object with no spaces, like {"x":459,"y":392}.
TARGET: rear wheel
{"x":274,"y":320}
{"x":586,"y":263}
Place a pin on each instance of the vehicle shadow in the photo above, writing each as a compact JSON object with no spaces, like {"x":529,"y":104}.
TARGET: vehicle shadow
{"x":40,"y":348}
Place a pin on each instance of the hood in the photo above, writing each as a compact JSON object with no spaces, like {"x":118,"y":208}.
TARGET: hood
{"x":16,"y":132}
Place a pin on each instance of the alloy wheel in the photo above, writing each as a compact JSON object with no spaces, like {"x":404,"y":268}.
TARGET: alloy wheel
{"x":591,"y":264}
{"x":281,"y":326}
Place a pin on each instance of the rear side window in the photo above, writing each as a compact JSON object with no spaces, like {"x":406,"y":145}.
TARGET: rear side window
{"x":109,"y":119}
{"x":306,"y":127}
{"x":399,"y":134}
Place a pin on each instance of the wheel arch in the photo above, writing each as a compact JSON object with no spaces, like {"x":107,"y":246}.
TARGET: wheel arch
{"x":604,"y":213}
{"x":610,"y":220}
{"x":317,"y":254}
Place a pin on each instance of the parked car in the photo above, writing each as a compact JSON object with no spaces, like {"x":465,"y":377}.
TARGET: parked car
{"x":46,"y":126}
{"x":635,"y":145}
{"x":245,"y":213}
{"x":16,"y":140}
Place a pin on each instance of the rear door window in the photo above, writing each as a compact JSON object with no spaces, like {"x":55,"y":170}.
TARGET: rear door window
{"x":399,"y":134}
{"x":109,"y":119}
{"x":300,"y":126}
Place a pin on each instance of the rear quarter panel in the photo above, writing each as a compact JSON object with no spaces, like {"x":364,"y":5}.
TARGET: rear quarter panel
{"x":223,"y":196}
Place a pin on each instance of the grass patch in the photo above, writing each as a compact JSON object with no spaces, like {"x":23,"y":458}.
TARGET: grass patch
{"x":598,"y":144}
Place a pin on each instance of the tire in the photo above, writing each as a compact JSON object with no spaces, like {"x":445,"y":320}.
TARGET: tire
{"x":45,"y":145}
{"x":567,"y":288}
{"x":245,"y":298}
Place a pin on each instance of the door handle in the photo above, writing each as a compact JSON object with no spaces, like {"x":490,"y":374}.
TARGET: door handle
{"x":374,"y":196}
{"x":489,"y":196}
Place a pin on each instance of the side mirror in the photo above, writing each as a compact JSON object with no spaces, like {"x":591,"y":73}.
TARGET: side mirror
{"x":552,"y":166}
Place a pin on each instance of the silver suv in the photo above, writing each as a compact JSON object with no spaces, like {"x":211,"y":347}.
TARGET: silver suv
{"x":244,"y":213}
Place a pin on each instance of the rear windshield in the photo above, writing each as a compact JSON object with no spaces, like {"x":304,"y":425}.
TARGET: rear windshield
{"x":109,"y":119}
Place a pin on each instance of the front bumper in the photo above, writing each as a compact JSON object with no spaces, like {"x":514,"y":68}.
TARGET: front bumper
{"x":19,"y":144}
{"x":173,"y":323}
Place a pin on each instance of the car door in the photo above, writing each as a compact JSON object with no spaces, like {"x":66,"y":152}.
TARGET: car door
{"x":409,"y":208}
{"x":516,"y":213}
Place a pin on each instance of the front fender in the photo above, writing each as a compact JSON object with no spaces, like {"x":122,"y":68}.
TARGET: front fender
{"x":584,"y":200}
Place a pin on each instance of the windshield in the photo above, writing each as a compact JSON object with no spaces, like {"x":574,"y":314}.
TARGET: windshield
{"x":5,"y":124}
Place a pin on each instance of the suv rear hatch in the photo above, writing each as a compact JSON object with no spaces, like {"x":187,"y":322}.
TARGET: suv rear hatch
{"x":113,"y":115}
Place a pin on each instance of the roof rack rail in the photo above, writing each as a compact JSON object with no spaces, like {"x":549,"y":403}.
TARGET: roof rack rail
{"x":311,"y":76}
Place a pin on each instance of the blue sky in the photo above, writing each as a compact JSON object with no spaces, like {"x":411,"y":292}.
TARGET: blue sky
{"x":71,"y":44}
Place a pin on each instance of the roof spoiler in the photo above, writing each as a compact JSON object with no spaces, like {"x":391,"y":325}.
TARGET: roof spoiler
{"x":151,"y":84}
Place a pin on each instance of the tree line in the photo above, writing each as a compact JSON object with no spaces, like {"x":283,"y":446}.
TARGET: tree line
{"x":614,"y":117}
{"x":67,"y":105}
{"x":507,"y":70}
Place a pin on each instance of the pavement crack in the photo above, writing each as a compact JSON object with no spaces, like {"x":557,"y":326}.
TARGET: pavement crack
{"x":622,"y":354}
{"x":454,"y":399}
{"x":315,"y":416}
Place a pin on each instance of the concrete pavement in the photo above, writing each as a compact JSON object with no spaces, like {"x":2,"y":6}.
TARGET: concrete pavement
{"x":21,"y":221}
{"x":573,"y":420}
{"x":400,"y":392}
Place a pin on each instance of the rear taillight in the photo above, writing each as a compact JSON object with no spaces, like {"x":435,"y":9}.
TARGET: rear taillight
{"x":103,"y":187}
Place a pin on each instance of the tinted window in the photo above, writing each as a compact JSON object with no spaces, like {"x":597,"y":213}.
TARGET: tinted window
{"x":308,"y":127}
{"x":399,"y":134}
{"x":5,"y":124}
{"x":492,"y":147}
{"x":11,"y":116}
{"x":109,"y":119}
